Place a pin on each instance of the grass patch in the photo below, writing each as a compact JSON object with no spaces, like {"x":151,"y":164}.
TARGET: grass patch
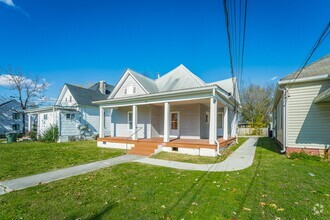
{"x":27,"y":158}
{"x":273,"y":187}
{"x":199,"y":159}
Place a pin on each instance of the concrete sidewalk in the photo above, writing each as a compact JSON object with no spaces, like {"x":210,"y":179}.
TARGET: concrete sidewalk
{"x":240,"y":159}
{"x":25,"y":182}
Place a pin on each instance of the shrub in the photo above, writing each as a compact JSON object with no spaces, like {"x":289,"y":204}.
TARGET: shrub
{"x":32,"y":135}
{"x":50,"y":135}
{"x":303,"y":156}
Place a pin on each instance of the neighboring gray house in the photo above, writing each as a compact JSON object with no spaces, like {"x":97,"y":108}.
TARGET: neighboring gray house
{"x":176,"y":112}
{"x":74,"y":113}
{"x":301,"y":111}
{"x":11,"y":117}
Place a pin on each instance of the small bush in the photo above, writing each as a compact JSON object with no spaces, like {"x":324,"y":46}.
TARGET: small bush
{"x":50,"y":135}
{"x":32,"y":135}
{"x":303,"y":156}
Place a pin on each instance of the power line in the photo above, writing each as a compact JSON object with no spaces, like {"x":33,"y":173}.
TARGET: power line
{"x":235,"y":18}
{"x":321,"y":38}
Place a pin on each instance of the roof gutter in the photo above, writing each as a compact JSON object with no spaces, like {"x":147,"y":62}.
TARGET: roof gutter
{"x":176,"y":92}
{"x":305,"y":79}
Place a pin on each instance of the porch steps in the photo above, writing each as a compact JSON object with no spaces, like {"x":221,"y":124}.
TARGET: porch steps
{"x":144,"y":149}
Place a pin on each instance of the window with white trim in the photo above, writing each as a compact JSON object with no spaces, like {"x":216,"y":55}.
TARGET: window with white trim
{"x":130,"y":90}
{"x":16,"y":116}
{"x":16,"y":127}
{"x":70,"y":116}
{"x":45,"y":116}
{"x":130,"y":120}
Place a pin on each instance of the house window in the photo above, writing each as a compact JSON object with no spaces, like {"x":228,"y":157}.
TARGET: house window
{"x":16,"y":116}
{"x":16,"y":127}
{"x":130,"y":120}
{"x":45,"y":116}
{"x":207,"y":117}
{"x":219,"y":121}
{"x":174,"y":120}
{"x":70,"y":116}
{"x":70,"y":99}
{"x":130,"y":90}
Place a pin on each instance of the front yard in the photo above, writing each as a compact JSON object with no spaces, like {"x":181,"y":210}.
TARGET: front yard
{"x":27,"y":158}
{"x":273,"y":188}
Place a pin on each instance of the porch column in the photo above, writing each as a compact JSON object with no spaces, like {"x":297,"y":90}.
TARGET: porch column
{"x":213,"y":121}
{"x":29,"y":122}
{"x":135,"y":122}
{"x":225,"y":123}
{"x":101,"y":131}
{"x":167,"y":122}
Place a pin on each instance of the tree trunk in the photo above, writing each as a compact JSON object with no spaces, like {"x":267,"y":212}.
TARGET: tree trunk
{"x":23,"y":118}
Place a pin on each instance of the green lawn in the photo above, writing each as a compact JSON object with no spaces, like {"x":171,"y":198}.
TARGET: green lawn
{"x":199,"y":159}
{"x":26,"y":158}
{"x":274,"y":187}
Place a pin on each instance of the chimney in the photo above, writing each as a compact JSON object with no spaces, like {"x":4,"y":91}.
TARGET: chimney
{"x":103,"y":87}
{"x":158,"y":75}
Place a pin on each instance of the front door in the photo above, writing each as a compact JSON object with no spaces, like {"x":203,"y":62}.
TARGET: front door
{"x":175,"y":124}
{"x":220,"y":124}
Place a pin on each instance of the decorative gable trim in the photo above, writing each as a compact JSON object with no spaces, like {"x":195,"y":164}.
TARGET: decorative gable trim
{"x":122,"y":81}
{"x":62,"y":94}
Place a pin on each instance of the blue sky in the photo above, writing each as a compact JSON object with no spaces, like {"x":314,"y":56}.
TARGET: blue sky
{"x":83,"y":41}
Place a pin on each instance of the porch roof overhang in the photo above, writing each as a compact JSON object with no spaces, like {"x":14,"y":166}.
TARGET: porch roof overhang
{"x":324,"y":97}
{"x":51,"y":109}
{"x":172,"y":96}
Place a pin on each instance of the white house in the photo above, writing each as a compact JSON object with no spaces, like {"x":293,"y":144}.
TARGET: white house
{"x":301,"y":111}
{"x":74,"y":113}
{"x":175,"y":112}
{"x":11,"y":117}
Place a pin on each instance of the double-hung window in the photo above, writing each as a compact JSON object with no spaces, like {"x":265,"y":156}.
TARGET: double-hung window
{"x":130,"y":120}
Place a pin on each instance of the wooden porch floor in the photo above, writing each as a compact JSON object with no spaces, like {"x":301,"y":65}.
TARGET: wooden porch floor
{"x":183,"y":143}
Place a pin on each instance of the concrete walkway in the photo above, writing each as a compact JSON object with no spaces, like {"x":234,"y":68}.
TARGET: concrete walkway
{"x":25,"y":182}
{"x":240,"y":159}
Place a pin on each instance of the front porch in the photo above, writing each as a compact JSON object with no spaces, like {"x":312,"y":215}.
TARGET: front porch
{"x":196,"y":125}
{"x":150,"y":146}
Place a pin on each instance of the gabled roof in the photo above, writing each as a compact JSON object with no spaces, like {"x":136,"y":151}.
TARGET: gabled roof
{"x":319,"y":67}
{"x":147,"y":83}
{"x":7,"y":102}
{"x":85,"y":96}
{"x":178,"y":78}
{"x":228,"y":86}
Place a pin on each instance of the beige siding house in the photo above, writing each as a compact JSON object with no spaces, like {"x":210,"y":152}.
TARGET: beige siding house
{"x":177,"y":112}
{"x":301,"y":110}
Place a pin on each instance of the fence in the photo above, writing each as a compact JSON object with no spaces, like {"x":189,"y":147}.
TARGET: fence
{"x":253,"y":131}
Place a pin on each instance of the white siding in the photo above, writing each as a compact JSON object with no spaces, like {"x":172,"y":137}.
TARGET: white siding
{"x":129,"y":81}
{"x":69,"y":126}
{"x":119,"y":123}
{"x":204,"y":127}
{"x":45,"y":124}
{"x":68,"y":99}
{"x":308,"y":123}
{"x":189,"y":120}
{"x":91,"y":118}
{"x":6,"y":117}
{"x":156,"y":122}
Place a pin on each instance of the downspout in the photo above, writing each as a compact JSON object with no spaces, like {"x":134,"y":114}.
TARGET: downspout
{"x":218,"y":148}
{"x":284,"y":119}
{"x":216,"y":140}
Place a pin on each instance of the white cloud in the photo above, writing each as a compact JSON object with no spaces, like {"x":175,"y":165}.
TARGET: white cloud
{"x":4,"y":80}
{"x":8,"y":2}
{"x":275,"y":77}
